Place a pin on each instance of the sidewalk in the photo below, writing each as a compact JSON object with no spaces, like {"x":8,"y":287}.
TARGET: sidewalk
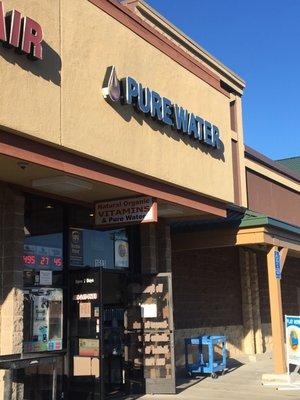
{"x":242,"y":383}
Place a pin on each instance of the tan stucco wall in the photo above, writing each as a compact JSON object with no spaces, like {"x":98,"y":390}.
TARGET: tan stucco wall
{"x":74,"y":114}
{"x":30,"y":91}
{"x":240,"y":141}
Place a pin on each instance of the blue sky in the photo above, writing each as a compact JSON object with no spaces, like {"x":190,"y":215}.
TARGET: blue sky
{"x":260,"y":41}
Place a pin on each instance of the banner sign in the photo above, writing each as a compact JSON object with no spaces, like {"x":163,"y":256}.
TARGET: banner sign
{"x":292,"y":330}
{"x":127,"y":211}
{"x":277,"y":264}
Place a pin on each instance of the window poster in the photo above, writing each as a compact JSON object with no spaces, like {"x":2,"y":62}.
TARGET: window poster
{"x":121,"y":249}
{"x":46,"y":277}
{"x":76,"y":247}
{"x":89,"y":347}
{"x":43,"y":311}
{"x":85,"y":310}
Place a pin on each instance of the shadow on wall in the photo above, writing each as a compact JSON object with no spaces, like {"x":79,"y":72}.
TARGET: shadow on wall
{"x":49,"y":68}
{"x":127,"y":112}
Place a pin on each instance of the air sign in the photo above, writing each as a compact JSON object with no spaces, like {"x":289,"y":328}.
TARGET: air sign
{"x":149,"y":102}
{"x":20,"y":32}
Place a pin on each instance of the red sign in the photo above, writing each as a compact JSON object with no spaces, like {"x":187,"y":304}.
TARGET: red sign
{"x":21,"y":32}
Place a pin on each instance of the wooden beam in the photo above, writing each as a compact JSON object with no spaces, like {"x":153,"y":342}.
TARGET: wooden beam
{"x":283,"y":254}
{"x":276,"y":315}
{"x":217,"y":238}
{"x":281,"y":241}
{"x":231,"y":237}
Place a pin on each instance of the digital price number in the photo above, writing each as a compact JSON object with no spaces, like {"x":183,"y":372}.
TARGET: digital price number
{"x":57,"y":261}
{"x":29,"y":260}
{"x":42,"y":261}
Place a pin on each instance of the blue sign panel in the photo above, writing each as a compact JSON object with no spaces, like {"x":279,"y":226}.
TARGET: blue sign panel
{"x":277,"y":264}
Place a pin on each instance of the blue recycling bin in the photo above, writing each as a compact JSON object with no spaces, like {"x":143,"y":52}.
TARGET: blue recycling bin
{"x":210,"y":365}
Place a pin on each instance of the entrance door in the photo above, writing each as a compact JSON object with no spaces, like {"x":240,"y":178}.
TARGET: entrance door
{"x":97,"y":367}
{"x":114,"y":302}
{"x":85,"y":334}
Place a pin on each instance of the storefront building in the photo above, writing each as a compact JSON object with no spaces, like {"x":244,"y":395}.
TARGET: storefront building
{"x":233,"y":261}
{"x":121,"y":153}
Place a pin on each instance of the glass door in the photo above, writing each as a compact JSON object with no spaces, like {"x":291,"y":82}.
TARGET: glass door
{"x":85,"y":334}
{"x":114,"y":368}
{"x":98,"y":263}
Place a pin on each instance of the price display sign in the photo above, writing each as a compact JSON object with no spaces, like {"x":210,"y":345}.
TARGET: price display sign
{"x":39,"y":257}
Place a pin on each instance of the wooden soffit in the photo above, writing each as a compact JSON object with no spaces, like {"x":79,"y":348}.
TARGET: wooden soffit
{"x":205,"y":239}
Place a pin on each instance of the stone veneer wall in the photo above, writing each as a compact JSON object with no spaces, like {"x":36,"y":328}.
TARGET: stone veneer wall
{"x":155,"y":243}
{"x":234,"y":334}
{"x":267,"y":338}
{"x":225,"y":291}
{"x":290,"y":283}
{"x":207,"y":297}
{"x":155,"y":247}
{"x":11,"y":283}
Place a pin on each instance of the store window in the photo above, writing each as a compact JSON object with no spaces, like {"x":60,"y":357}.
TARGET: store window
{"x":43,"y":275}
{"x":89,"y":247}
{"x":92,"y":248}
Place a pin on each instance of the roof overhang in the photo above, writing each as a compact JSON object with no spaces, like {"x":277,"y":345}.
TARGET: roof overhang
{"x":251,"y":230}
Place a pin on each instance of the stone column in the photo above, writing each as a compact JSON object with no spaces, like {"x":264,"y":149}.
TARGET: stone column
{"x":11,"y":282}
{"x":148,"y":248}
{"x":256,"y":303}
{"x":163,"y":243}
{"x":158,"y":339}
{"x":250,"y":303}
{"x":155,"y":247}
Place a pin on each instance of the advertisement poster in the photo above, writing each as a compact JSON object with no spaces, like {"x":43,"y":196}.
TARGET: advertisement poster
{"x":292,"y":329}
{"x":89,"y":347}
{"x":76,"y":247}
{"x":121,"y":254}
{"x":85,"y":310}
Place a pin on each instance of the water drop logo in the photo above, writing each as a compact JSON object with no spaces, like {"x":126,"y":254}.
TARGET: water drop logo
{"x":111,"y":87}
